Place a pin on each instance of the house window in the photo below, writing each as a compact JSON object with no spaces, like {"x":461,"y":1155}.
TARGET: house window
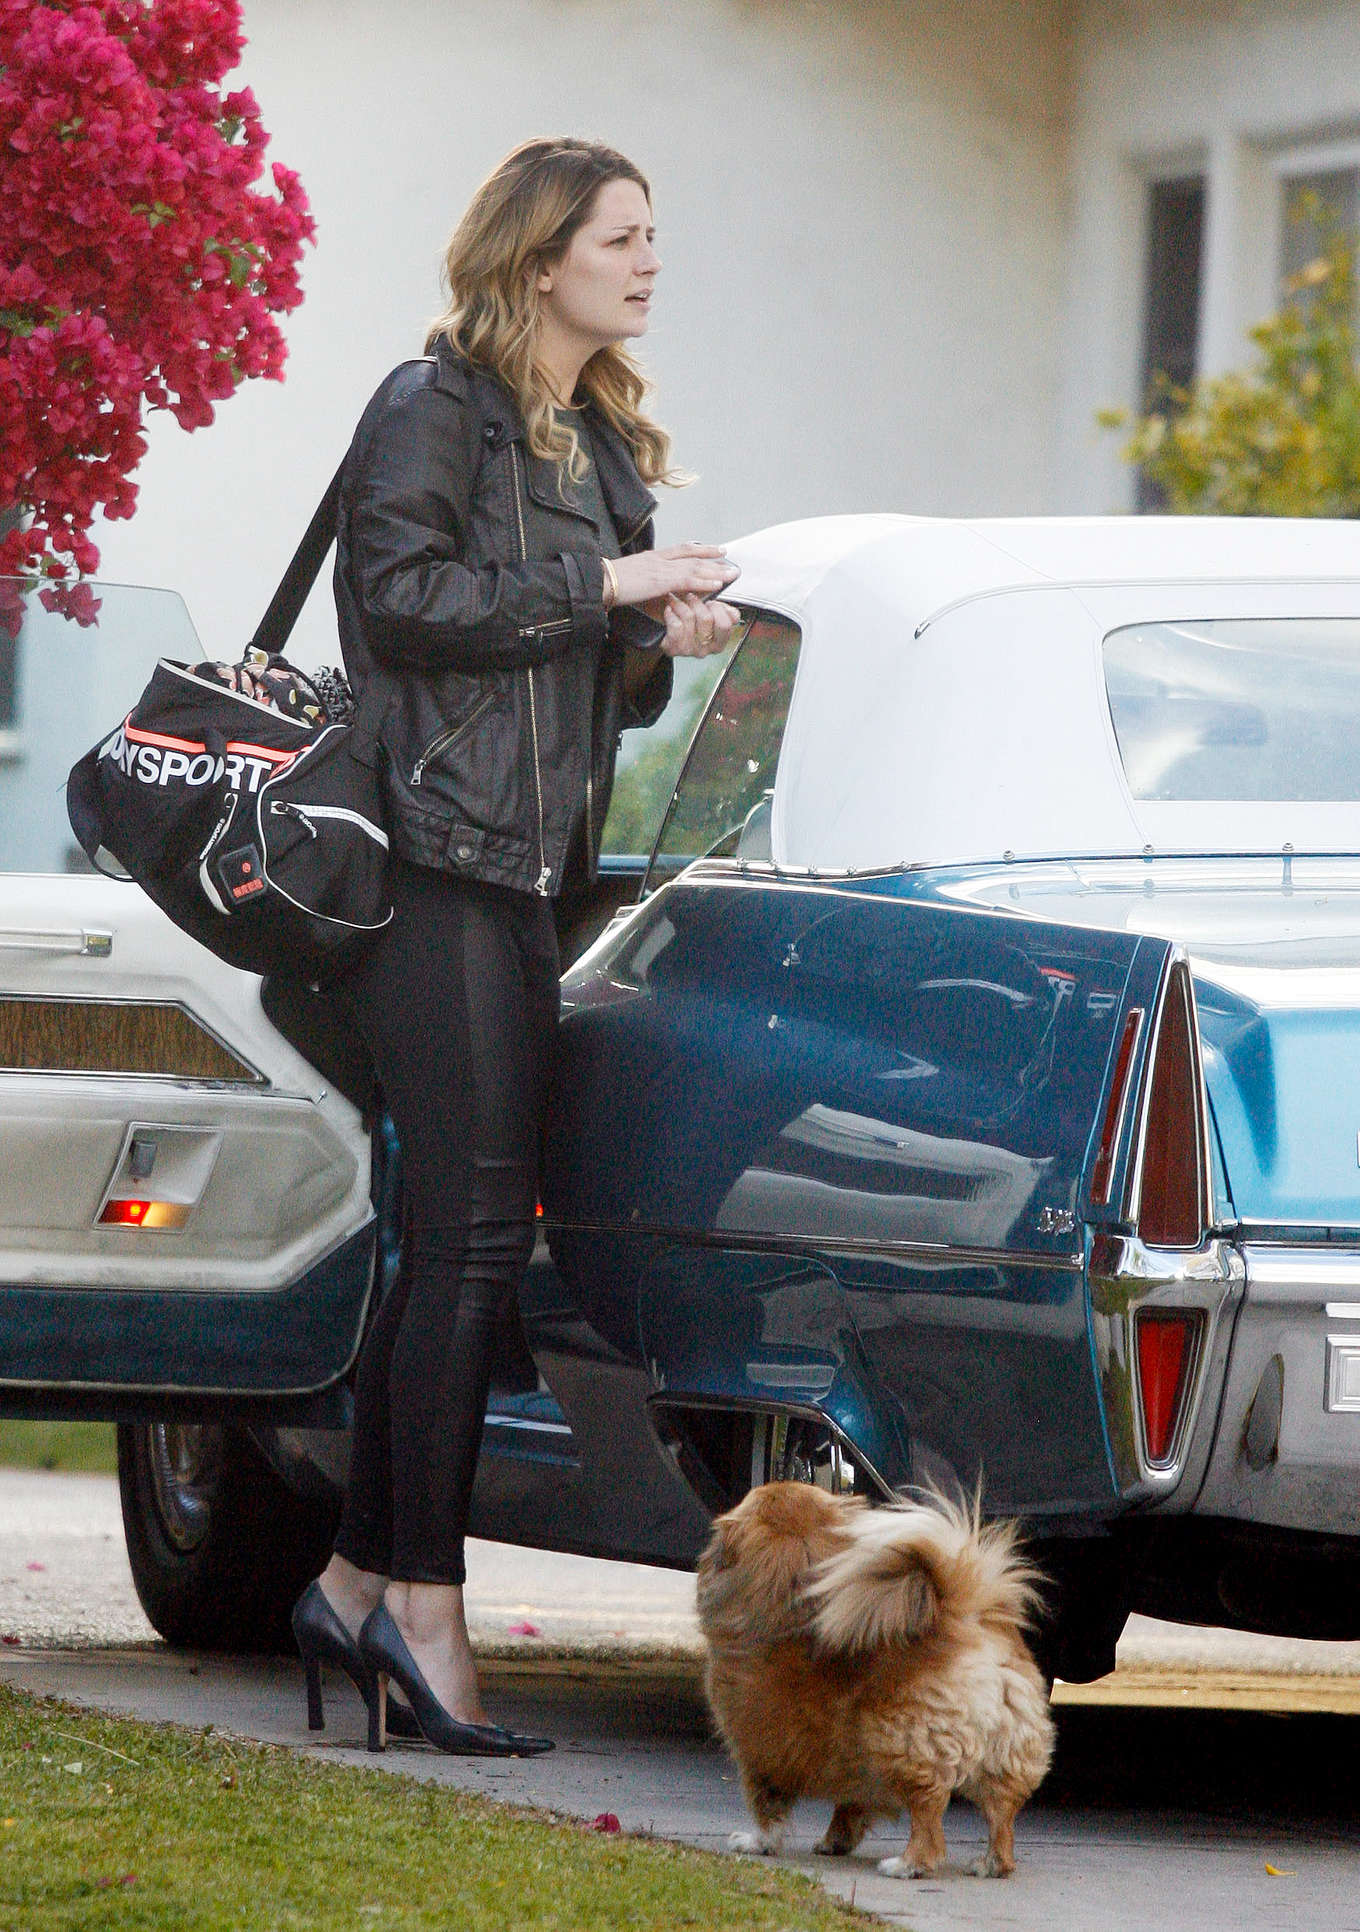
{"x":1171,"y":296}
{"x":1319,"y":194}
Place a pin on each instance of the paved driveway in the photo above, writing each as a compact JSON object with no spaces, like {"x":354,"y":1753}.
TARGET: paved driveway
{"x":1158,"y":1818}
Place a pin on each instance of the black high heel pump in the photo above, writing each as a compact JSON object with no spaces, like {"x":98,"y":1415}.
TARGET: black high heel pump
{"x":323,"y":1639}
{"x":383,"y":1649}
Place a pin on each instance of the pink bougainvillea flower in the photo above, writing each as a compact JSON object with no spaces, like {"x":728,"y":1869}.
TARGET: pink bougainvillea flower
{"x":142,"y":261}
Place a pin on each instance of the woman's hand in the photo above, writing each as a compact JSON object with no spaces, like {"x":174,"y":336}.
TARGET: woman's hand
{"x":685,"y":570}
{"x":696,"y":627}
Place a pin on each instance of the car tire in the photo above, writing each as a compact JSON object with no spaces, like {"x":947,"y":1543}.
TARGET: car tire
{"x":219,"y":1545}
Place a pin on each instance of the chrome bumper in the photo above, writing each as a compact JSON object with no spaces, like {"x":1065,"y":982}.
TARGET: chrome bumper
{"x":1287,"y":1447}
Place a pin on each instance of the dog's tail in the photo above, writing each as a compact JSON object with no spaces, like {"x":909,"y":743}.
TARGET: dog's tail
{"x":914,"y":1567}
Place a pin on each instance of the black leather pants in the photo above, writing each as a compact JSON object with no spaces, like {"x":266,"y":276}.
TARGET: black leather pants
{"x":458,"y":1002}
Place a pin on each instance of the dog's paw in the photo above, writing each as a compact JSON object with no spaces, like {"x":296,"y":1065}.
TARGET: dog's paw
{"x":749,"y":1841}
{"x":831,"y":1848}
{"x":903,"y":1868}
{"x":990,"y":1866}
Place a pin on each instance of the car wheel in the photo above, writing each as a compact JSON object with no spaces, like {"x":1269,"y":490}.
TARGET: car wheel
{"x":219,"y":1545}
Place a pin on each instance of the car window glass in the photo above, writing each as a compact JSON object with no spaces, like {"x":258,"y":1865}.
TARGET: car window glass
{"x":75,"y":657}
{"x":1248,"y":708}
{"x":721,"y":805}
{"x":649,"y":761}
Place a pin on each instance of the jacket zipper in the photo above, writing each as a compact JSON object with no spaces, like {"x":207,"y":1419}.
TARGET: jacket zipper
{"x":545,"y":630}
{"x":625,"y":539}
{"x":545,"y":870}
{"x":446,"y":738}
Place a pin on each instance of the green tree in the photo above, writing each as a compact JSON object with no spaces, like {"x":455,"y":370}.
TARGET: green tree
{"x":1281,"y":438}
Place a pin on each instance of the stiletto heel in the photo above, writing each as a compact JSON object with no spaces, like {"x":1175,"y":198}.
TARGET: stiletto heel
{"x":316,"y":1716}
{"x":383,"y":1649}
{"x":377,"y":1715}
{"x":322,"y":1639}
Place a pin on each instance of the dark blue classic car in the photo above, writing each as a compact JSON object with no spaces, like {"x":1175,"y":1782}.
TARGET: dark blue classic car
{"x":965,"y":1089}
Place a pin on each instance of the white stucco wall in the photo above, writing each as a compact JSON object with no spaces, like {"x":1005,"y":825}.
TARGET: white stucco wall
{"x":1222,"y":87}
{"x":859,"y":210}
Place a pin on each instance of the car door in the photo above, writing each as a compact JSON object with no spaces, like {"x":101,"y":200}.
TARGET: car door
{"x":821,"y":1141}
{"x":184,"y":1205}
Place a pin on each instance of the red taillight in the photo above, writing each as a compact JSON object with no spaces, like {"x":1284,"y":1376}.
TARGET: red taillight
{"x":1165,"y":1350}
{"x":1102,"y":1175}
{"x":125,"y":1214}
{"x":1170,"y":1208}
{"x":143,"y":1214}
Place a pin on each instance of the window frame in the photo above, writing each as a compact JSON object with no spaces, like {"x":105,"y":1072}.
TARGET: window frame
{"x":752,"y":614}
{"x":1295,"y":162}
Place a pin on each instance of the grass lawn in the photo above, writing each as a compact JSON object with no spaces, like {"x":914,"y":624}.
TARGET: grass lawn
{"x":58,"y":1445}
{"x":146,"y":1828}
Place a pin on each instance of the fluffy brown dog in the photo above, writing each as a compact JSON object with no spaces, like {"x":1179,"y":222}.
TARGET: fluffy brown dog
{"x":875,"y":1658}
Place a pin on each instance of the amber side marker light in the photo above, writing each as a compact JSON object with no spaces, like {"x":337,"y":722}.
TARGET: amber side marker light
{"x":1166,"y":1347}
{"x":143,"y":1214}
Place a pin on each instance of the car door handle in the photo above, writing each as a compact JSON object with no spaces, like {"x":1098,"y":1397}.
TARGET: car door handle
{"x":89,"y":945}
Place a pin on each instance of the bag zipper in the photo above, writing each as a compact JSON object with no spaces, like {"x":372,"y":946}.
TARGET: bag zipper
{"x":545,"y":870}
{"x":446,"y":738}
{"x":285,"y":808}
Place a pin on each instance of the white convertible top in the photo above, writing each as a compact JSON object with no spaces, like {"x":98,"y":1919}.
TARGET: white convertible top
{"x":950,"y":701}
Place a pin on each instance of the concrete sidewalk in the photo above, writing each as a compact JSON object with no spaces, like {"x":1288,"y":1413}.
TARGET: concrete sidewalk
{"x":604,"y":1658}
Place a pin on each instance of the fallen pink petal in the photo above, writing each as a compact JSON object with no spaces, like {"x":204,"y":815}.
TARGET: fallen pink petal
{"x":607,"y":1821}
{"x":36,"y":1566}
{"x":525,"y":1630}
{"x":7,"y":1639}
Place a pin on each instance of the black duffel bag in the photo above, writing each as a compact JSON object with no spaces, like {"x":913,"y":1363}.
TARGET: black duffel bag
{"x":256,"y":828}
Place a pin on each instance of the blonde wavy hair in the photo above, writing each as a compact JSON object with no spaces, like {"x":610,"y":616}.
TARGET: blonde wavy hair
{"x":521,"y":219}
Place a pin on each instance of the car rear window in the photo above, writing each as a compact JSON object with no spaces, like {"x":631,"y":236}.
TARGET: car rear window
{"x":1240,"y":708}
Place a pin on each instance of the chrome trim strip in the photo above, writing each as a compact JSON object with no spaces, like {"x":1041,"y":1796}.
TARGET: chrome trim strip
{"x":745,"y":1405}
{"x":498,"y":1421}
{"x":807,"y":1244}
{"x":1312,"y":1272}
{"x":1342,"y":1311}
{"x":83,"y":945}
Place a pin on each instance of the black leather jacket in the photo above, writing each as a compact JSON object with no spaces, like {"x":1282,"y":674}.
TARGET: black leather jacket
{"x":489,"y":675}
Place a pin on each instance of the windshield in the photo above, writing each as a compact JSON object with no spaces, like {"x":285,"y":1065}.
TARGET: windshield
{"x":72,"y":661}
{"x":1243,"y":708}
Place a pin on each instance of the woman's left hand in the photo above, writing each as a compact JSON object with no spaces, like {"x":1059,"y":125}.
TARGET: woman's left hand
{"x":697,"y":626}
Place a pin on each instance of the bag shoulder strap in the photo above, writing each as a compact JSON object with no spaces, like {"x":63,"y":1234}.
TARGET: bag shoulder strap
{"x":275,"y":627}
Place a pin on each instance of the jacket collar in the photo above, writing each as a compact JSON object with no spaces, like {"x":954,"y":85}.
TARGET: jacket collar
{"x":631,"y":504}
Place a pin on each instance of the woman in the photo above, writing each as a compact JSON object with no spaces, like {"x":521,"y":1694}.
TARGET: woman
{"x":503,"y":615}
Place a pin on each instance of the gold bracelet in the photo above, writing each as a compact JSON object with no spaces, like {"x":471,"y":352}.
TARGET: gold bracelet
{"x":612,"y":597}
